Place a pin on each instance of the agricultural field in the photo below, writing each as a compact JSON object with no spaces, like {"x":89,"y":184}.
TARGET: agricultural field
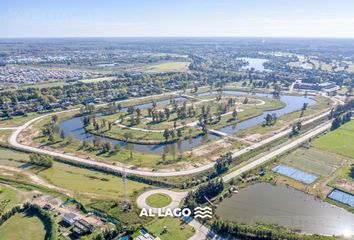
{"x":176,"y":230}
{"x":13,"y":229}
{"x":338,"y":141}
{"x":314,"y":161}
{"x":165,"y":67}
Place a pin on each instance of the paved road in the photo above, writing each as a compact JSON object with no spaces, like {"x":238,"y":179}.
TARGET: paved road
{"x":162,"y":173}
{"x":159,"y":173}
{"x":276,"y":152}
{"x":175,"y":196}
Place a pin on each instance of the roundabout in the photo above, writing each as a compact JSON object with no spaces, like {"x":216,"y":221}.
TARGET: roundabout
{"x":158,"y":198}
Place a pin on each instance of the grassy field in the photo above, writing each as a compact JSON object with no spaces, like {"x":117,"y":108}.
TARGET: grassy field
{"x":158,"y":200}
{"x":166,"y":67}
{"x":175,"y":229}
{"x":17,"y":120}
{"x":339,"y":141}
{"x":8,"y":198}
{"x":8,"y":154}
{"x":314,"y":161}
{"x":13,"y":229}
{"x":100,"y":79}
{"x":84,"y":180}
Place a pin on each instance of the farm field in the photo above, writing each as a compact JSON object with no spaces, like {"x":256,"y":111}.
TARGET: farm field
{"x":314,"y":161}
{"x":13,"y":229}
{"x":338,"y":141}
{"x":166,"y":67}
{"x":175,"y":229}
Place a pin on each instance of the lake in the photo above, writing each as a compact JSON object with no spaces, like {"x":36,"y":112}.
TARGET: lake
{"x":287,"y":207}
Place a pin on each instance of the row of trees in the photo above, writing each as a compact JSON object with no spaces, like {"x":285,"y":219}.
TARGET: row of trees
{"x":41,"y":160}
{"x":246,"y":232}
{"x":340,"y":120}
{"x":341,"y":114}
{"x":204,"y":192}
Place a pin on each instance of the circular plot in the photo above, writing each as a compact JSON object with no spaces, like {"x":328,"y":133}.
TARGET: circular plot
{"x":158,"y":200}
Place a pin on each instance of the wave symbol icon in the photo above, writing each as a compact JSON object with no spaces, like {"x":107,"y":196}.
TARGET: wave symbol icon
{"x":205,"y":212}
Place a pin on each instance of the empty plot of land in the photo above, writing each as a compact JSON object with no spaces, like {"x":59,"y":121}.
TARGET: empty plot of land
{"x":339,"y":141}
{"x":314,"y":161}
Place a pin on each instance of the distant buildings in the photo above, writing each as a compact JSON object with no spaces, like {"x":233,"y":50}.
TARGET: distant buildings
{"x":21,"y":74}
{"x":325,"y":87}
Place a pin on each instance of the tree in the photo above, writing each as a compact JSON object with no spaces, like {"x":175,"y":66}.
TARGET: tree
{"x":41,"y":160}
{"x":269,"y":119}
{"x":54,"y":118}
{"x":336,"y":123}
{"x":127,"y":136}
{"x":166,"y":134}
{"x":234,"y":114}
{"x":179,"y":132}
{"x":167,"y":112}
{"x":62,"y":134}
{"x":117,"y":147}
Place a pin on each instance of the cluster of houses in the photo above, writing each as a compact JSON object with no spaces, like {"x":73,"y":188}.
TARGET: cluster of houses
{"x":35,"y":75}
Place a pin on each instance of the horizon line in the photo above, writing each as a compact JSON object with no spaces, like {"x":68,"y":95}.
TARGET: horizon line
{"x":260,"y":37}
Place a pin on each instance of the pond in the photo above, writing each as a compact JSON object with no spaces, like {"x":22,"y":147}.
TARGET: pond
{"x":287,"y":207}
{"x":256,"y":63}
{"x":74,"y":126}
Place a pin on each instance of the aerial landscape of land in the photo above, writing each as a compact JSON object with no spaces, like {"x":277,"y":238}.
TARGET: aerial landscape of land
{"x":176,"y":128}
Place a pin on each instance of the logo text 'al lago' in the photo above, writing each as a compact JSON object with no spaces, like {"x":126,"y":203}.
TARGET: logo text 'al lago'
{"x":199,"y":212}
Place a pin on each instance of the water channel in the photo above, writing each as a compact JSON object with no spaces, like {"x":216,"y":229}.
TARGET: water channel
{"x":75,"y":128}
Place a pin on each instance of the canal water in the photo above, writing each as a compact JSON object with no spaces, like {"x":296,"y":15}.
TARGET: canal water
{"x":287,"y":207}
{"x":75,"y":128}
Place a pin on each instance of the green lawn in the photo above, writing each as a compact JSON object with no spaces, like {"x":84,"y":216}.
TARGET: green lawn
{"x":22,"y":227}
{"x":8,"y":198}
{"x":340,"y":141}
{"x":176,"y":230}
{"x":8,"y":154}
{"x":158,"y":200}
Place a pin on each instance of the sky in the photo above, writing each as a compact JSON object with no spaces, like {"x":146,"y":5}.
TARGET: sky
{"x":169,"y":18}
